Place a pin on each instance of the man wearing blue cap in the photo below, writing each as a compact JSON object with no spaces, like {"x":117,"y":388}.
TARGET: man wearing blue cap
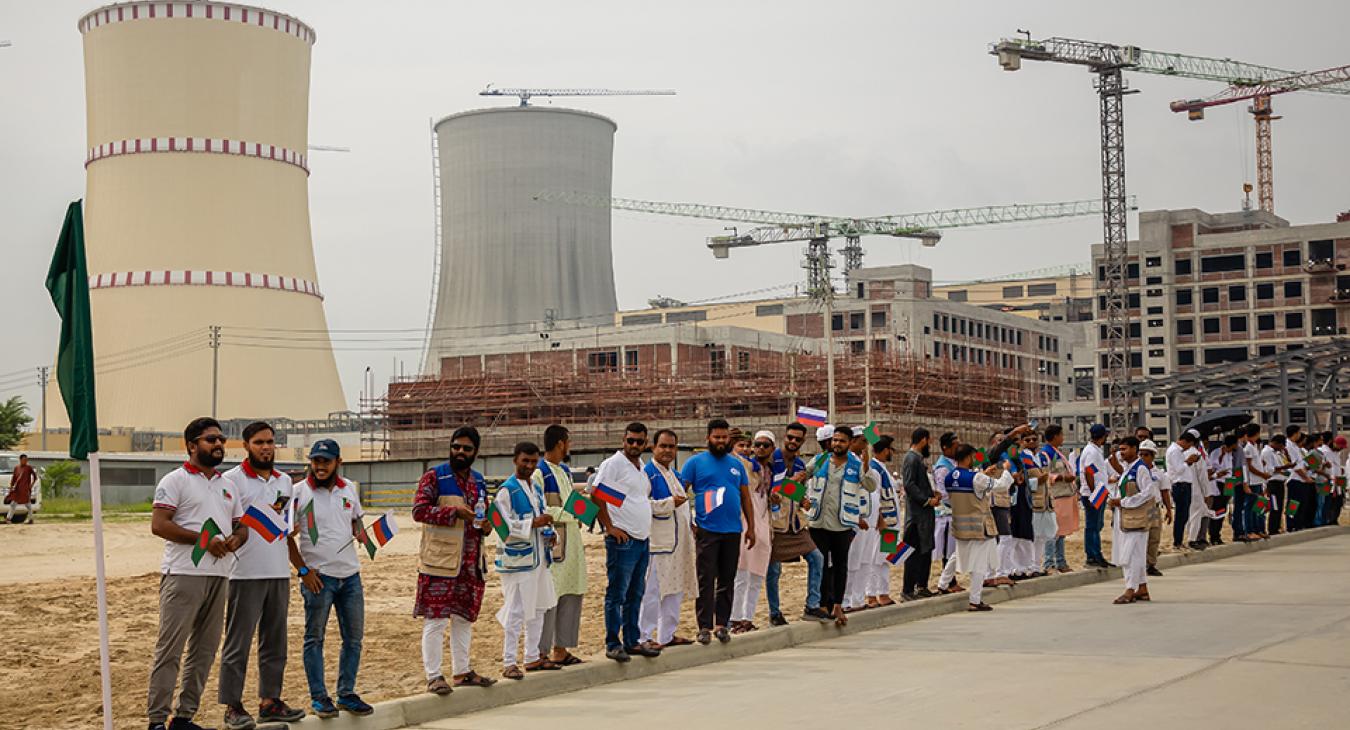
{"x":327,"y":519}
{"x":1093,"y":471}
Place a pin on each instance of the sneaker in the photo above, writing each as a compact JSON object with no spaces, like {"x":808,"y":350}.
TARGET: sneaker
{"x":153,"y":725}
{"x":815,"y":614}
{"x":722,"y":635}
{"x":354,"y":704}
{"x":777,"y":619}
{"x":323,"y":707}
{"x":617,"y":654}
{"x":704,"y":637}
{"x":236,"y":718}
{"x":183,"y":723}
{"x":274,"y":710}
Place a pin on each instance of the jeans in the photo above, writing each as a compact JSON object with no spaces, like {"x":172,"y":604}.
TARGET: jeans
{"x":347,"y":597}
{"x":1054,"y":554}
{"x":1092,"y":530}
{"x":1241,"y":512}
{"x":815,"y":563}
{"x":626,"y":567}
{"x":1181,"y":497}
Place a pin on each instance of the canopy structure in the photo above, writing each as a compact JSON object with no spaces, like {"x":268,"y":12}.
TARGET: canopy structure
{"x":1307,"y":378}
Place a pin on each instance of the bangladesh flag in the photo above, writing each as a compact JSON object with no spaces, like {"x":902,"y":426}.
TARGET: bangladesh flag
{"x":1260,"y":506}
{"x":870,"y":433}
{"x":1291,"y":508}
{"x":68,"y":284}
{"x":583,"y":509}
{"x":498,"y":521}
{"x":890,"y":541}
{"x":209,"y":532}
{"x":363,"y":537}
{"x":305,"y":518}
{"x":793,"y":490}
{"x":1324,"y":487}
{"x":1229,"y":484}
{"x":979,"y":457}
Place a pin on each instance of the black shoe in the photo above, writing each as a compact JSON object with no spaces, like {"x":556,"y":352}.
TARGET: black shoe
{"x":722,"y":634}
{"x":354,"y":704}
{"x":815,"y":614}
{"x":237,"y":718}
{"x":643,"y":650}
{"x":617,"y":654}
{"x":153,"y":725}
{"x":182,"y":723}
{"x":777,"y":619}
{"x":908,"y":596}
{"x":1153,"y":572}
{"x":704,"y":637}
{"x":274,"y":710}
{"x":324,"y":708}
{"x":924,"y":593}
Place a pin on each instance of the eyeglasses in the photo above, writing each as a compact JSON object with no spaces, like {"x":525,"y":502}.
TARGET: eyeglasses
{"x":212,"y":439}
{"x":462,"y":447}
{"x":635,"y":442}
{"x":764,"y":445}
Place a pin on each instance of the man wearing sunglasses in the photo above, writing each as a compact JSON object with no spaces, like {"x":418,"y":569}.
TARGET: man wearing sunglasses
{"x":189,"y":502}
{"x":623,"y":494}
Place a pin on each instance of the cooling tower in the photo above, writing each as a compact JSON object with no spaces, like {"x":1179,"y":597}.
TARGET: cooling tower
{"x":507,"y":258}
{"x":197,"y":214}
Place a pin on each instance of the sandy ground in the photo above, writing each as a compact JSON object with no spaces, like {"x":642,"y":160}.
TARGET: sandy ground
{"x":49,"y":678}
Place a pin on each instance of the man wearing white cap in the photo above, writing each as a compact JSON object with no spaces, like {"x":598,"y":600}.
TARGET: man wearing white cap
{"x":754,"y":561}
{"x":1134,"y":498}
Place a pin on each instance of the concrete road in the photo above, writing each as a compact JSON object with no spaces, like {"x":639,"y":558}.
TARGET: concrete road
{"x":1258,"y":641}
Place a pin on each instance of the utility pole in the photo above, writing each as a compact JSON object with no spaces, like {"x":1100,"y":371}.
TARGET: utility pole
{"x":215,"y":366}
{"x":867,"y":360}
{"x":43,"y":374}
{"x":817,"y":264}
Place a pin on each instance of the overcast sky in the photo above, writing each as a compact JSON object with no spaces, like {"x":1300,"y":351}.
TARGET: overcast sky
{"x":847,"y":108}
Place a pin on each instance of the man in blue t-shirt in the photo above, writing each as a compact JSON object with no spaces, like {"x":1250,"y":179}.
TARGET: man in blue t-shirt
{"x":720,"y":491}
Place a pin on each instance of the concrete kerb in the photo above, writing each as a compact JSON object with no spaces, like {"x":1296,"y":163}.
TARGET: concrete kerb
{"x":425,"y":708}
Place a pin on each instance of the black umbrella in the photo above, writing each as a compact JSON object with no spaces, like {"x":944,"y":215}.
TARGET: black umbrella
{"x":1219,"y":420}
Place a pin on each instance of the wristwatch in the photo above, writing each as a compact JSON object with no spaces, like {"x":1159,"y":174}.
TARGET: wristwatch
{"x":302,"y":571}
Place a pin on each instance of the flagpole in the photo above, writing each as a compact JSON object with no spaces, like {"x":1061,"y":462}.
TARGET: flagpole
{"x":100,"y":576}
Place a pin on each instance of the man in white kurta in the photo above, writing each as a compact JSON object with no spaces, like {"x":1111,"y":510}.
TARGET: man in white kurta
{"x":523,"y":560}
{"x":972,"y":523}
{"x":864,"y":554}
{"x":1129,"y":548}
{"x":671,"y":572}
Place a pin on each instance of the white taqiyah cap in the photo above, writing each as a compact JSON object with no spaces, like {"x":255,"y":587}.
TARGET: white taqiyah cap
{"x":825,"y":432}
{"x":1148,"y":445}
{"x":766,"y":435}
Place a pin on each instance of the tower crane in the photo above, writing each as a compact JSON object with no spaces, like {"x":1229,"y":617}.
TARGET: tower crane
{"x":1109,"y":61}
{"x":1259,"y":93}
{"x":526,"y":94}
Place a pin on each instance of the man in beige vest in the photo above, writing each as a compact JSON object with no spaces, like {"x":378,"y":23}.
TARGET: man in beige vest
{"x":1134,"y":500}
{"x":451,"y":502}
{"x":970,"y":494}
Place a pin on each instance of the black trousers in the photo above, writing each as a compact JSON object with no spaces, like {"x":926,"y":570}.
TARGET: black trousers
{"x":834,"y":546}
{"x":717,"y":556}
{"x":1216,"y":526}
{"x":1275,"y":520}
{"x":918,"y":566}
{"x":1332,"y":510}
{"x":1181,"y":497}
{"x":1306,"y":494}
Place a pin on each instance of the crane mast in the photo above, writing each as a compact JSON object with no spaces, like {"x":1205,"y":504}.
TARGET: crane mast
{"x":525,"y":94}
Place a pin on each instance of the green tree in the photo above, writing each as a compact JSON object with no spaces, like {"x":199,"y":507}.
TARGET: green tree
{"x":14,"y":420}
{"x":61,"y":478}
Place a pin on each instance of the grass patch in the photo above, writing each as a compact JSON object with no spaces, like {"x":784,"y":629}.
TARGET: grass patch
{"x":71,"y":508}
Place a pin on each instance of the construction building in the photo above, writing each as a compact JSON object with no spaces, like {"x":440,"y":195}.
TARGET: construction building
{"x":1058,"y":297}
{"x":1211,"y":289}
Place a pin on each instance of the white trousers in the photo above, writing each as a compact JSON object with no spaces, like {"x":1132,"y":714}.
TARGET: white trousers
{"x":880,"y":580}
{"x":746,"y":595}
{"x":948,"y":570}
{"x":1038,"y":551}
{"x":659,"y":615}
{"x":1024,"y":556}
{"x":1134,"y":550}
{"x":1195,"y":520}
{"x":516,"y":619}
{"x":1007,"y":564}
{"x":433,"y":645}
{"x":977,"y":558}
{"x":944,"y":540}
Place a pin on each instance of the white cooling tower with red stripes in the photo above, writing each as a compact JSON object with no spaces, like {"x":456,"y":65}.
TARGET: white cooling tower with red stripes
{"x":197,"y":214}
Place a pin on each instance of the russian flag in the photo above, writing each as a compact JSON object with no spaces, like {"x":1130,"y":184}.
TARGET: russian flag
{"x":1099,"y":497}
{"x":608,"y":495}
{"x":813,"y":417}
{"x":902,"y":551}
{"x":712,"y":499}
{"x":261,"y":524}
{"x":384,"y":529}
{"x":1220,"y":513}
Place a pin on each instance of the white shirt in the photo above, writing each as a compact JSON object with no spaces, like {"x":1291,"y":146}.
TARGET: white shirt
{"x":334,"y":509}
{"x":1333,"y":468}
{"x":271,"y":494}
{"x":634,"y":516}
{"x":1252,"y":453}
{"x":1178,"y":471}
{"x":1148,"y":488}
{"x":194,"y":498}
{"x":1271,"y":460}
{"x":1298,"y":473}
{"x":1163,"y":481}
{"x":1092,"y":456}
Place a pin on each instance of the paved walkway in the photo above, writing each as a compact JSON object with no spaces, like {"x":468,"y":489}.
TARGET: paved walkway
{"x":1262,"y":640}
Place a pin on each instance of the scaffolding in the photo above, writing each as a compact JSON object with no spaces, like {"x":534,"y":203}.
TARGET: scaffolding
{"x":766,"y":389}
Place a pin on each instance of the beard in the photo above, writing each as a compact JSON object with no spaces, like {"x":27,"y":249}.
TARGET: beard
{"x":211,"y":458}
{"x":924,"y":451}
{"x":260,"y":466}
{"x":460,"y":463}
{"x":718,"y":449}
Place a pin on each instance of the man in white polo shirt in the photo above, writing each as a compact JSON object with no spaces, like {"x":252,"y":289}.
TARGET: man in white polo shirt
{"x":260,"y":586}
{"x":623,"y":494}
{"x":196,"y":512}
{"x":330,"y":574}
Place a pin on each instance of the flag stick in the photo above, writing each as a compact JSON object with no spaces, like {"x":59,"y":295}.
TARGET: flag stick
{"x":100,"y":576}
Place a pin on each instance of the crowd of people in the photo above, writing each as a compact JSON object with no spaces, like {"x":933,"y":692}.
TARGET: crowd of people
{"x":716,"y":529}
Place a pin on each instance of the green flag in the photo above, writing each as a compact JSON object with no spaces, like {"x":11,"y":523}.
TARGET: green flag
{"x":793,"y":490}
{"x":1291,"y":508}
{"x":363,"y":537}
{"x":498,"y":521}
{"x":890,"y":541}
{"x":204,"y":538}
{"x":583,"y":509}
{"x":870,"y":433}
{"x":305,"y":518}
{"x":68,"y":283}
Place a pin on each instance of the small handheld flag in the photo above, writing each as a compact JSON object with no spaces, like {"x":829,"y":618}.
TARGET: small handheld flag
{"x":890,"y":540}
{"x":1090,"y":474}
{"x":1340,"y":481}
{"x":712,"y":499}
{"x":1260,"y":506}
{"x":363,"y":537}
{"x":870,"y":433}
{"x":497,"y":520}
{"x":305,"y":517}
{"x":209,"y":532}
{"x":1220,"y":513}
{"x":583,"y":509}
{"x":979,"y":457}
{"x":1291,"y":508}
{"x":261,"y":523}
{"x":1229,"y":486}
{"x":793,"y":490}
{"x":1099,"y":497}
{"x":384,"y":529}
{"x":813,"y":417}
{"x":902,"y":551}
{"x":1324,"y":487}
{"x":608,"y":495}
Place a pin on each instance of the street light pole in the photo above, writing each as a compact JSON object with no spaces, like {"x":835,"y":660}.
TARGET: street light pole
{"x":43,"y":374}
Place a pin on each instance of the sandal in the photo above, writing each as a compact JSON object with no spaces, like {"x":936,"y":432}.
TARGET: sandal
{"x":543,"y":665}
{"x":1124,"y":599}
{"x":512,"y":672}
{"x":569,"y":660}
{"x":840,"y":619}
{"x":1142,"y":597}
{"x":885,"y":601}
{"x":439,"y":686}
{"x":675,"y":641}
{"x":472,"y":679}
